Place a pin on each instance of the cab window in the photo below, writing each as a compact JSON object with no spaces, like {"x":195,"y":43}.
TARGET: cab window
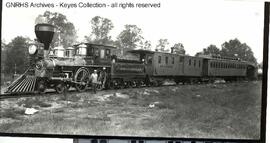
{"x":149,"y":60}
{"x":159,"y":59}
{"x":81,"y":51}
{"x":102,"y":53}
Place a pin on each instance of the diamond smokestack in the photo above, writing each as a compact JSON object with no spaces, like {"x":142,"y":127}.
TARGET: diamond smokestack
{"x":44,"y":33}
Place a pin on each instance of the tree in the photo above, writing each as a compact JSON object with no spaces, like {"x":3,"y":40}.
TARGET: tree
{"x":211,"y":50}
{"x":65,"y":34}
{"x":147,"y":45}
{"x":130,"y":37}
{"x":234,"y":48}
{"x":198,"y":54}
{"x":260,"y":65}
{"x":162,"y":43}
{"x":3,"y":55}
{"x":178,"y":48}
{"x":17,"y":55}
{"x":100,"y":31}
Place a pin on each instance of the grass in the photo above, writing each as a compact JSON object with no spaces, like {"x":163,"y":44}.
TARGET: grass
{"x":33,"y":102}
{"x":214,"y":110}
{"x":13,"y":113}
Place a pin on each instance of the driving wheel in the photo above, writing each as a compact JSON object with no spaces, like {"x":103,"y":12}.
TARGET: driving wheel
{"x":81,"y":79}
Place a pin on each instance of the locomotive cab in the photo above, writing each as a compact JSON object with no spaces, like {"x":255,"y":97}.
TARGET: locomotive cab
{"x":94,"y":54}
{"x":147,"y":58}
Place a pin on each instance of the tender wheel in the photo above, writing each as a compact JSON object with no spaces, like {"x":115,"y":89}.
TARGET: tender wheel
{"x":60,"y":87}
{"x":82,"y":77}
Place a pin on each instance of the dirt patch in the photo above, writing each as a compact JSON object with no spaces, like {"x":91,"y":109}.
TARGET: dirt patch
{"x":224,"y":110}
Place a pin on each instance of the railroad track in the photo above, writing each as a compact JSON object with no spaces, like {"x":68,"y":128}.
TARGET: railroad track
{"x":52,"y":92}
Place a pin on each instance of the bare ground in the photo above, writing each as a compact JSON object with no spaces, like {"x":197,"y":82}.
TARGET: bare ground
{"x":230,"y":110}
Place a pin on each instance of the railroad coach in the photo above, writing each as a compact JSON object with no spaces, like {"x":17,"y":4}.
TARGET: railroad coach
{"x":160,"y":65}
{"x":227,"y":68}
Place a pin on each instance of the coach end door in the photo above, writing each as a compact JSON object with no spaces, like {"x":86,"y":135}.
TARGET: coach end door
{"x":205,"y":67}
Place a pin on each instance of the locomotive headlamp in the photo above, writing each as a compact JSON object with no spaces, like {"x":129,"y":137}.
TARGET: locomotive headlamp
{"x":32,"y":49}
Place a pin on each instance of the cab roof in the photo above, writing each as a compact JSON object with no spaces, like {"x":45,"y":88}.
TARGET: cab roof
{"x":91,"y":44}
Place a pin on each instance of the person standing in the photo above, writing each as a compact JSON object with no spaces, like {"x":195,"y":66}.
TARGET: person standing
{"x":94,"y":78}
{"x":103,"y":77}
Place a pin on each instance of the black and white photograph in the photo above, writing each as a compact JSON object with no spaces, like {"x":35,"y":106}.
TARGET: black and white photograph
{"x":155,"y":68}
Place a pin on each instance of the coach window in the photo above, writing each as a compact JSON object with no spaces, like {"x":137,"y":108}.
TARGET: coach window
{"x":159,"y":59}
{"x":194,"y":63}
{"x":189,"y":62}
{"x":166,"y":60}
{"x":172,"y":60}
{"x":181,"y":59}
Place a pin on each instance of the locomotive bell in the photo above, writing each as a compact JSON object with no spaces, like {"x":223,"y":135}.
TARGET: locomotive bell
{"x":44,"y":33}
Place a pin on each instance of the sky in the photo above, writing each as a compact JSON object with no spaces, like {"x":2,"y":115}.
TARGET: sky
{"x":196,"y":24}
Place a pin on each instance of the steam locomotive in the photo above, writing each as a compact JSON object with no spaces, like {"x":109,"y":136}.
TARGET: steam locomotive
{"x":73,"y":66}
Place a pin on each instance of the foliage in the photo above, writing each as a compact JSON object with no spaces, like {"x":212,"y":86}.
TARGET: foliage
{"x":211,"y":50}
{"x":130,"y":37}
{"x":100,"y":31}
{"x":162,"y":43}
{"x":234,"y":48}
{"x":16,"y":54}
{"x":260,"y":65}
{"x":65,"y":34}
{"x":145,"y":45}
{"x":3,"y":55}
{"x":179,"y":48}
